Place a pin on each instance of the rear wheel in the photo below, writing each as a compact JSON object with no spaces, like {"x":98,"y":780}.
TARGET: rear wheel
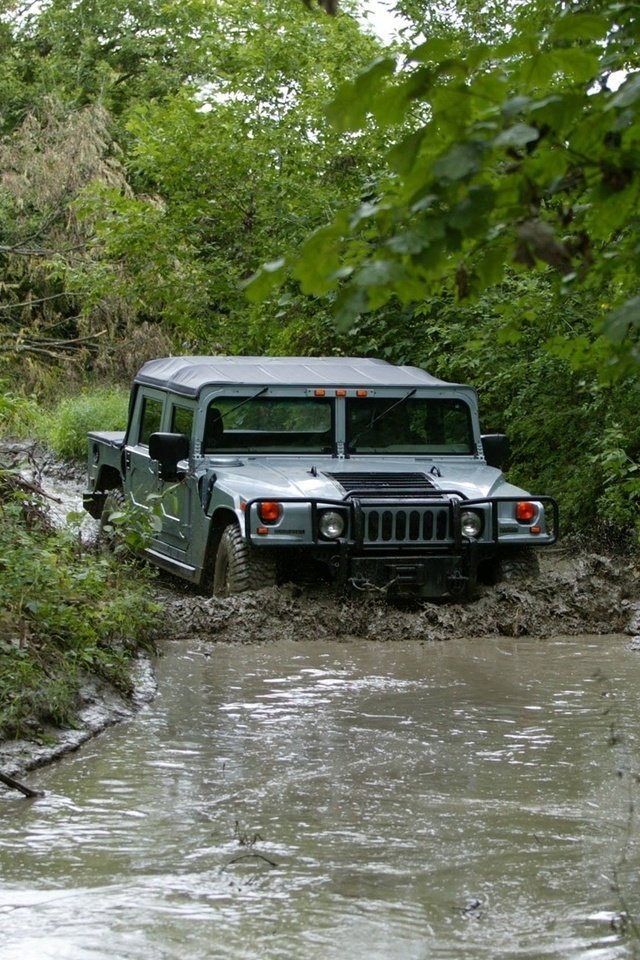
{"x":239,"y":567}
{"x":115,"y":502}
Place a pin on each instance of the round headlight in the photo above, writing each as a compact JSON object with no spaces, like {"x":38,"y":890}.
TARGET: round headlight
{"x":331,"y":524}
{"x":470,"y":524}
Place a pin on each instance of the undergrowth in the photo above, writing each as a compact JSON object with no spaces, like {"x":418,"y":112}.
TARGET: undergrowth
{"x":63,"y":426}
{"x":65,"y":613}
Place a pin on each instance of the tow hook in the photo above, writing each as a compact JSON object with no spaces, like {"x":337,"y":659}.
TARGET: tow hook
{"x":366,"y":586}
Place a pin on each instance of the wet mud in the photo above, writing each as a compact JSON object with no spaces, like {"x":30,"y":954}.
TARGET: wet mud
{"x":574,"y":594}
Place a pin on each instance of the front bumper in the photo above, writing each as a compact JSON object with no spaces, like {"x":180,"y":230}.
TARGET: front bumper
{"x":409,"y":546}
{"x":431,"y":523}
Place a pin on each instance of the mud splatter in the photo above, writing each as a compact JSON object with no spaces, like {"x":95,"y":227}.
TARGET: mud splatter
{"x":590,"y":594}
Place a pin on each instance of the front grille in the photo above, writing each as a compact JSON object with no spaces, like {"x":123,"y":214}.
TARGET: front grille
{"x":417,"y":525}
{"x":396,"y":485}
{"x":426,"y":520}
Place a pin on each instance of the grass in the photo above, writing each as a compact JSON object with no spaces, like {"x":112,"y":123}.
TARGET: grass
{"x":64,"y":426}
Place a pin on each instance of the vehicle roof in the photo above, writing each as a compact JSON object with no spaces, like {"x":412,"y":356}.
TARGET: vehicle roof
{"x":189,"y":375}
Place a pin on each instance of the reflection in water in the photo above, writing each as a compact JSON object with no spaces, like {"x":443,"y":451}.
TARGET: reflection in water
{"x":358,"y":800}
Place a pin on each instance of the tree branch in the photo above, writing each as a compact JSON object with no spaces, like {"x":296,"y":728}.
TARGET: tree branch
{"x":28,"y":303}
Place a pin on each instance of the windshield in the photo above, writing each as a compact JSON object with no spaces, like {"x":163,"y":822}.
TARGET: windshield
{"x":417,"y":425}
{"x":269,"y":425}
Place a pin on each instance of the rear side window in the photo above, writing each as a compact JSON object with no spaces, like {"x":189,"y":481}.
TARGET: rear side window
{"x":182,"y":420}
{"x":150,"y":419}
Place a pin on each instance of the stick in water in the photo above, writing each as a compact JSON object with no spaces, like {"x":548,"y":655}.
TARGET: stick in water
{"x":16,"y":785}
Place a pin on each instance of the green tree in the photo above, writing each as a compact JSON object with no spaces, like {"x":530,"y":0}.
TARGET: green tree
{"x":512,"y":150}
{"x":228,"y":169}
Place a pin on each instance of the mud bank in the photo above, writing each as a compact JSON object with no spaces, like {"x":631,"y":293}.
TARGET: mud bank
{"x":574,"y":595}
{"x":101,"y":706}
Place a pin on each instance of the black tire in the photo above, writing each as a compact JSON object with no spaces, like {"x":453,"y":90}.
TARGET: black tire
{"x":518,"y":564}
{"x":239,"y":567}
{"x":115,"y":501}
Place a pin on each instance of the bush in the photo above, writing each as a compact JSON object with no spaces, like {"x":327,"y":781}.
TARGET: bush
{"x":19,"y":416}
{"x":65,"y":428}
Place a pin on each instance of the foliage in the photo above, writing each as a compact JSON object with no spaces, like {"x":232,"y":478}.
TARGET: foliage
{"x":66,"y":428}
{"x":514,"y":151}
{"x":19,"y":415}
{"x":567,"y":428}
{"x":63,"y":615}
{"x":469,"y":204}
{"x":63,"y":425}
{"x":229,"y":170}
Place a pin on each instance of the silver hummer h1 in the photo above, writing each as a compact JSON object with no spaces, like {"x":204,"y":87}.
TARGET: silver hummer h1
{"x":263,"y":469}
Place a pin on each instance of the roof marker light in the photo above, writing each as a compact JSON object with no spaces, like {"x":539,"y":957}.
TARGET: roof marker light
{"x":319,"y":393}
{"x":362,"y":393}
{"x":341,"y":392}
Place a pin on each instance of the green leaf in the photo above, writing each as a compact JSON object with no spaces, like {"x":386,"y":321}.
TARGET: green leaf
{"x":319,"y":260}
{"x":627,"y":94}
{"x":434,"y":50}
{"x":558,"y":110}
{"x":490,"y":266}
{"x":613,"y":211}
{"x":470,"y":214}
{"x":618,"y":323}
{"x":403,"y":156}
{"x":517,"y":136}
{"x":462,"y":160}
{"x":258,"y":287}
{"x":576,"y":63}
{"x":353,"y":101}
{"x":515,"y":105}
{"x":378,"y":273}
{"x":579,"y":26}
{"x":350,"y":305}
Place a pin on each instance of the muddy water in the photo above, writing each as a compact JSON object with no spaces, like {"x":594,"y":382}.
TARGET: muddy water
{"x":308,"y":799}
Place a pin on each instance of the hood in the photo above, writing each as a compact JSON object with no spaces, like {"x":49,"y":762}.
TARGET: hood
{"x":331,"y":478}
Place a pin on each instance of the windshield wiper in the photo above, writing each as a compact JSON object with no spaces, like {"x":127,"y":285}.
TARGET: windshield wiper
{"x":242,"y":402}
{"x":353,"y":440}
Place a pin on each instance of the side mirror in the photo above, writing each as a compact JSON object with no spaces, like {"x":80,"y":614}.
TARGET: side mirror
{"x":168,"y":449}
{"x":497,"y":449}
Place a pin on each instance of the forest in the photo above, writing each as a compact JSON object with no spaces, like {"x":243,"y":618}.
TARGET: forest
{"x":270,"y":177}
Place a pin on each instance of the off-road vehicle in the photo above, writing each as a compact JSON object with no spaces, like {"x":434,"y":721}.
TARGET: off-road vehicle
{"x":265,"y":469}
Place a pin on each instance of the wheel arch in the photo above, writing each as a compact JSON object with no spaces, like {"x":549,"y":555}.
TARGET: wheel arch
{"x":222,"y":517}
{"x":108,"y":479}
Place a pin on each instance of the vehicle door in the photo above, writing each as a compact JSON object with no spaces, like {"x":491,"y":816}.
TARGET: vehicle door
{"x":141,"y":475}
{"x":176,"y":496}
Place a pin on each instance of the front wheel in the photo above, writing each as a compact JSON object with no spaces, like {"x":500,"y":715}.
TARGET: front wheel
{"x":511,"y":564}
{"x":239,"y":567}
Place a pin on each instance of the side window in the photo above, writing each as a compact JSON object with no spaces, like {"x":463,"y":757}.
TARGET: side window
{"x":182,"y":420}
{"x":150,"y":418}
